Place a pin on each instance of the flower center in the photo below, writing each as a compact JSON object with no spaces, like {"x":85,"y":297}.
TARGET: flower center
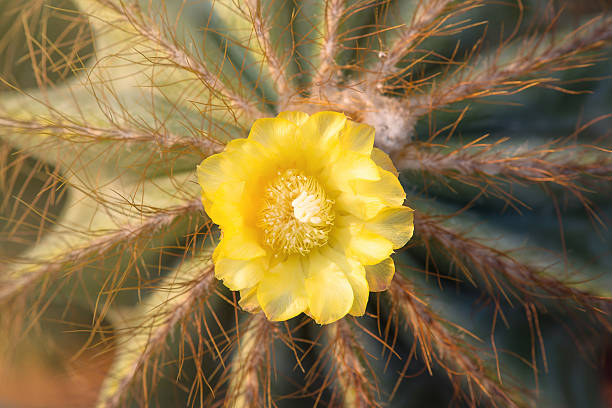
{"x":297,"y":215}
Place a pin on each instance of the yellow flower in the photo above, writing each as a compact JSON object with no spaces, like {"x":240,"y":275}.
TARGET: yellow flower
{"x":310,"y":212}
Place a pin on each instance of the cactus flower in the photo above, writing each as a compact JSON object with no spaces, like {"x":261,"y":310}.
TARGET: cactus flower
{"x":310,"y":212}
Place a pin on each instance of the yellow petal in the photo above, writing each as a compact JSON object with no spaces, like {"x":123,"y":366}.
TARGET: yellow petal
{"x":370,"y":248}
{"x":356,"y":276}
{"x":321,"y":129}
{"x":226,"y":207}
{"x":246,"y":152}
{"x":234,"y":165}
{"x":360,"y":206}
{"x":273,"y":133}
{"x":361,"y":294}
{"x":248,"y":300}
{"x":239,"y":274}
{"x":239,"y":244}
{"x":216,"y":171}
{"x":235,"y":145}
{"x":348,"y":168}
{"x":357,"y":137}
{"x":394,"y":224}
{"x":383,"y":160}
{"x":330,"y":296}
{"x":354,"y":166}
{"x":281,"y":292}
{"x":388,"y":189}
{"x":293,"y":116}
{"x":379,"y":276}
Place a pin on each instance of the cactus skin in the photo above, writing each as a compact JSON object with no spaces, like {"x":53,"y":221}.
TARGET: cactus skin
{"x":107,"y":106}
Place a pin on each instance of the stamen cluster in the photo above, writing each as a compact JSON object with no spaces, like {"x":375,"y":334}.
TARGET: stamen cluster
{"x":296,"y":216}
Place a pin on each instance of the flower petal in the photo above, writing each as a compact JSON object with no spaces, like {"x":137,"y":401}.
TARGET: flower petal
{"x":321,"y":129}
{"x":348,"y":168}
{"x":370,"y":248}
{"x":239,"y":274}
{"x":356,"y":275}
{"x":227,"y":206}
{"x":281,"y":292}
{"x":239,"y":244}
{"x":273,"y":133}
{"x":330,"y":296}
{"x":394,"y":224}
{"x":379,"y":276}
{"x":216,"y":171}
{"x":383,"y":160}
{"x":234,"y":165}
{"x":359,"y":206}
{"x":353,"y":166}
{"x":357,"y":137}
{"x":248,"y":300}
{"x":293,"y":116}
{"x":235,"y":145}
{"x":361,"y":293}
{"x":388,"y":189}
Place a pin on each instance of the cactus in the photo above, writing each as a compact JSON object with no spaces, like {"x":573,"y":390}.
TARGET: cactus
{"x":494,"y":114}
